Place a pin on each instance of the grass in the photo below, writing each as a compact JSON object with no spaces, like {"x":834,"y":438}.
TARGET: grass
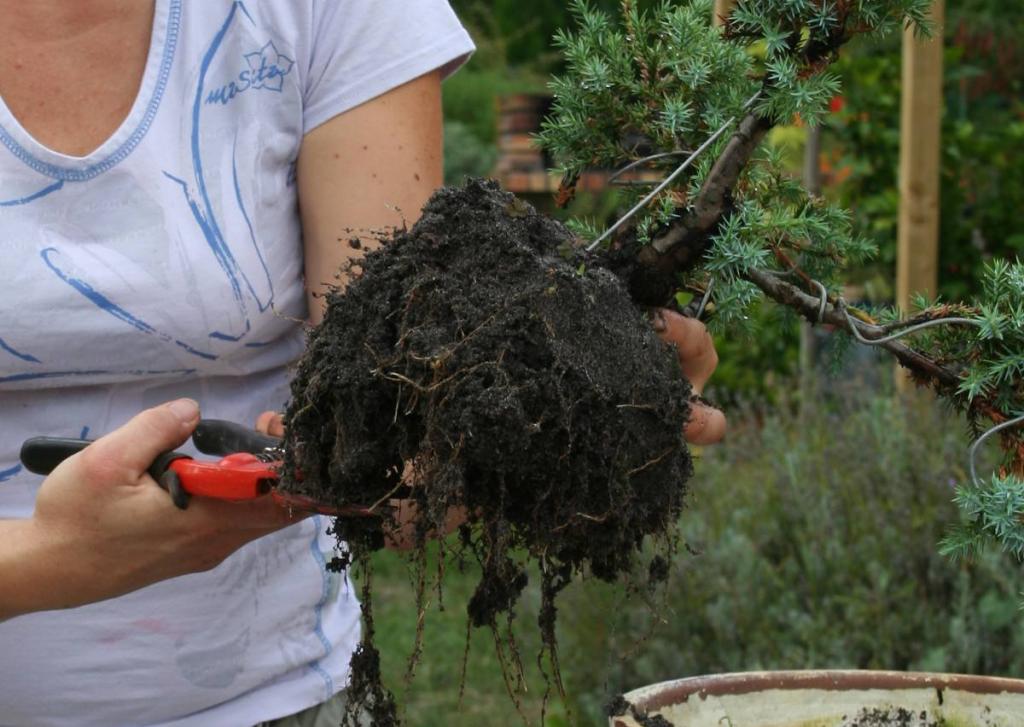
{"x":432,"y":699}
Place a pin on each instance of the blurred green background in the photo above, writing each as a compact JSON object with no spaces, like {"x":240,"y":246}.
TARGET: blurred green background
{"x":812,"y":531}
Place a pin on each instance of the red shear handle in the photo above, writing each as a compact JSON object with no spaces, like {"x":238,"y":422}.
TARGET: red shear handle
{"x":239,"y":476}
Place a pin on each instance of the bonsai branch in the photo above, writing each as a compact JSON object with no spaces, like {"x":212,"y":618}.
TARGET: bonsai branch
{"x":686,"y":240}
{"x":781,"y":291}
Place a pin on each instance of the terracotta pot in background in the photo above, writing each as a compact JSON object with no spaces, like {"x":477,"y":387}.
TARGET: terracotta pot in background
{"x":519,"y":118}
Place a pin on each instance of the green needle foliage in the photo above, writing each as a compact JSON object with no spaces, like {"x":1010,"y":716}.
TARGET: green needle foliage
{"x":993,"y":510}
{"x":664,"y":81}
{"x":999,"y":350}
{"x":652,"y":85}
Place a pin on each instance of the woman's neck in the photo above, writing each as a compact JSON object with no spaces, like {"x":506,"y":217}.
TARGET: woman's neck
{"x":70,"y":69}
{"x":62,"y":20}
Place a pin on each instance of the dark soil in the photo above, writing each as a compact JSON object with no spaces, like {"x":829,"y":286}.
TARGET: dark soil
{"x":895,"y":717}
{"x":521,"y":382}
{"x":621,"y":707}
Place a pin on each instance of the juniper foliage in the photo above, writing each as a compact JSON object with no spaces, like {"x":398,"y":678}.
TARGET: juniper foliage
{"x":650,"y":86}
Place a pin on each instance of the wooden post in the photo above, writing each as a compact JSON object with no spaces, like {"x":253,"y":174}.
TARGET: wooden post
{"x":722,"y":10}
{"x":920,"y":152}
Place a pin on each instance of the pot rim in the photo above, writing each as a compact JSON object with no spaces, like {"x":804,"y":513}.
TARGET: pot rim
{"x":658,"y":696}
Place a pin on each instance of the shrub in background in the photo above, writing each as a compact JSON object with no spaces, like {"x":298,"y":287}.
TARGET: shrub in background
{"x":982,"y":180}
{"x":752,"y":367}
{"x":817,"y":533}
{"x":465,"y":155}
{"x":525,"y":27}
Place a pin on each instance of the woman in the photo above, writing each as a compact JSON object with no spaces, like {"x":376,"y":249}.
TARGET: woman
{"x":155,"y":154}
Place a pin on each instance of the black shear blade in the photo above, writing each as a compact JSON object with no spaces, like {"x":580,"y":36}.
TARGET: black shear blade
{"x":221,"y":438}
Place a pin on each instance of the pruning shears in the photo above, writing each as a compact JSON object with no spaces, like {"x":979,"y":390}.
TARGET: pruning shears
{"x":249,"y":467}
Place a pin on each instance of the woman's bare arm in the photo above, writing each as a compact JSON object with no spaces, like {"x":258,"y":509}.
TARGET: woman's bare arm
{"x":371,"y":168}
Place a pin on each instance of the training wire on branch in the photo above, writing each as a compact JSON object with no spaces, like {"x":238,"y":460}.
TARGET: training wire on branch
{"x":672,"y":177}
{"x":840,"y":304}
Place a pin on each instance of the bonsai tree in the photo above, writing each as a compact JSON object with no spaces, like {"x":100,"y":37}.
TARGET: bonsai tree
{"x":663,"y":90}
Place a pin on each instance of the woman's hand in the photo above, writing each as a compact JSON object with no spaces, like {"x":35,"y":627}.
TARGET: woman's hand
{"x":270,"y":422}
{"x":102,"y":527}
{"x":698,"y":360}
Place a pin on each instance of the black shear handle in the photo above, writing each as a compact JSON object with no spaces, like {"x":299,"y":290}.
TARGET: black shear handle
{"x":41,"y":455}
{"x":221,"y":438}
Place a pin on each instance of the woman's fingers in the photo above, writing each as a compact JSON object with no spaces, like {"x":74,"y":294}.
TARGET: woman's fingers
{"x":400,"y":534}
{"x":270,"y":422}
{"x":135,"y":445}
{"x":706,"y":426}
{"x":697,"y":360}
{"x":693,"y":344}
{"x":98,"y":510}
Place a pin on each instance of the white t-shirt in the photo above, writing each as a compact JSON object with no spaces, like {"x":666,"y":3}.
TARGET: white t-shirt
{"x":167,"y":263}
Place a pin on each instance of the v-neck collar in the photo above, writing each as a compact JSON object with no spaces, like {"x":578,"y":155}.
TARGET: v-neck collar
{"x":121,"y":143}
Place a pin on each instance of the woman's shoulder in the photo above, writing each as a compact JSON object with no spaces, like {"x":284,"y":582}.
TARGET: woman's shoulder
{"x":336,"y":53}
